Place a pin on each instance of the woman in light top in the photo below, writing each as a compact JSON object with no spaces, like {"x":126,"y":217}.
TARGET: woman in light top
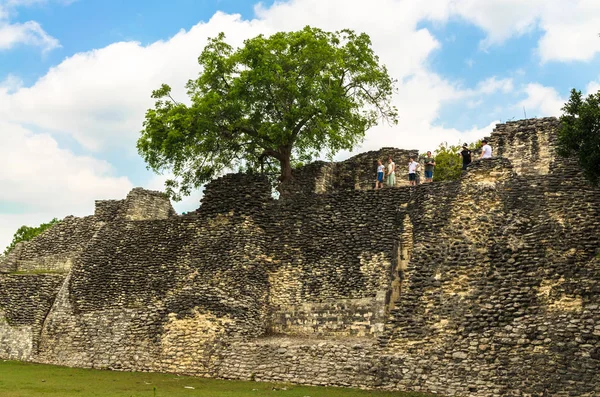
{"x":391,"y":173}
{"x":380,"y":172}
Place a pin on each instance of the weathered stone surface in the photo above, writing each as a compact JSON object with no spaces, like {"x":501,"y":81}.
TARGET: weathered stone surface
{"x":487,"y":286}
{"x":356,"y":173}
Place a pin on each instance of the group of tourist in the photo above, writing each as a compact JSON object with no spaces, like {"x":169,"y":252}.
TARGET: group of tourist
{"x":388,"y":172}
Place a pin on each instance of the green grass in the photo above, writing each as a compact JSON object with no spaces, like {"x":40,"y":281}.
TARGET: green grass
{"x":25,"y":380}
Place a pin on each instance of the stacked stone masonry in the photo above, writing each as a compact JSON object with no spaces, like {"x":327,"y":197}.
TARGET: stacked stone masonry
{"x":486,"y":286}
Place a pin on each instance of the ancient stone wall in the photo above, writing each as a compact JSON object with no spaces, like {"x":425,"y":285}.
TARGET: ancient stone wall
{"x":528,"y":144}
{"x":140,"y":204}
{"x":486,"y":286}
{"x":334,"y":256}
{"x":56,"y":248}
{"x":8,"y":263}
{"x":357,"y":173}
{"x":241,"y":193}
{"x":25,"y":300}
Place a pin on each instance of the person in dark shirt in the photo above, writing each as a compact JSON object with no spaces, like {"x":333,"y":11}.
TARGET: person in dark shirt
{"x":429,"y":166}
{"x":466,"y":156}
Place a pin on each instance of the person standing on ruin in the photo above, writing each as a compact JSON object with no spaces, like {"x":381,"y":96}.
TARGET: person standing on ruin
{"x":466,"y":156}
{"x":486,"y":150}
{"x":429,"y":167}
{"x":391,"y":173}
{"x":380,"y":172}
{"x":412,"y":171}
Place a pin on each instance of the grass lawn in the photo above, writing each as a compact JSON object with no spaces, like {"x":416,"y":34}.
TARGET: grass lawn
{"x":25,"y":380}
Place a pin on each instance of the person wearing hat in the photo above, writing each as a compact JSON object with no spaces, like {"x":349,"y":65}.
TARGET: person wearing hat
{"x":466,"y":156}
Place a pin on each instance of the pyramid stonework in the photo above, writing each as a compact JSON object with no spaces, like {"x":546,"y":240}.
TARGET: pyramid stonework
{"x":486,"y":286}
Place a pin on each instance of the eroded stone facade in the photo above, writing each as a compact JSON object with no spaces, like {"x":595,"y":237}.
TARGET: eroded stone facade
{"x":487,"y":286}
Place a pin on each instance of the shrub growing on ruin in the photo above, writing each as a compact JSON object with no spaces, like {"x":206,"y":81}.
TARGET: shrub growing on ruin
{"x":275,"y":101}
{"x":449,"y":162}
{"x":579,"y":133}
{"x":26,"y":233}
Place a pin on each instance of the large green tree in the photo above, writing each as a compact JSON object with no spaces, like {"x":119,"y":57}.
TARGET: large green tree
{"x":276,"y":100}
{"x":26,"y":233}
{"x":579,"y":133}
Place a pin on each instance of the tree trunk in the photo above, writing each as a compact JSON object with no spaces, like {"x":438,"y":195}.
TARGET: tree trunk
{"x":286,"y":165}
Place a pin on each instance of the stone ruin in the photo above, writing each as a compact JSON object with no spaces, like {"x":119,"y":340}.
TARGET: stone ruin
{"x":485,"y":286}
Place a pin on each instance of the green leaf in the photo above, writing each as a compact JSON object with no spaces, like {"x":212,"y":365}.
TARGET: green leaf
{"x":579,"y":133}
{"x":276,"y":100}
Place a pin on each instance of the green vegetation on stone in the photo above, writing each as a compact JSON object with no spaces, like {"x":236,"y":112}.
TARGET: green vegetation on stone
{"x":29,"y":380}
{"x":579,"y":133}
{"x":26,"y":233}
{"x":449,"y":162}
{"x":274,"y":103}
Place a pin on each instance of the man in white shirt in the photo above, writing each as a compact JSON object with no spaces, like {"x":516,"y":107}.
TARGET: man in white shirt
{"x":486,"y":150}
{"x":412,"y":171}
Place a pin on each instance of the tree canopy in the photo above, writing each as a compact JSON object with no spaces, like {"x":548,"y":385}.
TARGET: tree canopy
{"x":276,"y":100}
{"x":579,"y":133}
{"x":26,"y":233}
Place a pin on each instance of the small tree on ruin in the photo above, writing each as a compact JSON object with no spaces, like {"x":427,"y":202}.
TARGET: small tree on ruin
{"x":275,"y":101}
{"x":449,"y":162}
{"x":579,"y":133}
{"x":27,"y":233}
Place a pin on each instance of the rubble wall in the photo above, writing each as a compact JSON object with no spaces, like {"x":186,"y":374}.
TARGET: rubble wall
{"x":486,"y":286}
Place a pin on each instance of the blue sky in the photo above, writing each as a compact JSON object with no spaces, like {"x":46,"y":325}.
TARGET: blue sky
{"x":89,"y":24}
{"x":76,"y":78}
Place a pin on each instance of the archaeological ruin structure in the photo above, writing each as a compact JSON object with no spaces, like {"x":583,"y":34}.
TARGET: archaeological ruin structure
{"x":485,"y":286}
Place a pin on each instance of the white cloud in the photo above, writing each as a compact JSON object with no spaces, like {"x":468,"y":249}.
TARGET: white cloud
{"x":47,"y":181}
{"x":542,"y":101}
{"x":592,"y":88}
{"x":500,"y":19}
{"x":472,"y":104}
{"x":27,"y":33}
{"x":493,"y":84}
{"x":569,"y":28}
{"x":571,"y":31}
{"x":99,"y":97}
{"x":10,"y":84}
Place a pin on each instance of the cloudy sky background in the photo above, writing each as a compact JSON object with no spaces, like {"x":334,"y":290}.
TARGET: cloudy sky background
{"x":76,"y":78}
